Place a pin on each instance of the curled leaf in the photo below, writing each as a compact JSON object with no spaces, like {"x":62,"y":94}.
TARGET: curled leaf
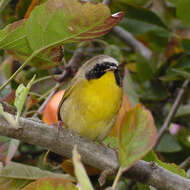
{"x":61,"y":21}
{"x":21,"y":95}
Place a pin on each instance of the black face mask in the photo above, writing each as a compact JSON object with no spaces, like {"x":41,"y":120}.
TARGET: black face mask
{"x":100,"y":69}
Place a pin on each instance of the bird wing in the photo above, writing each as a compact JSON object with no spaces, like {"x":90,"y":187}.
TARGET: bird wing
{"x":68,"y":91}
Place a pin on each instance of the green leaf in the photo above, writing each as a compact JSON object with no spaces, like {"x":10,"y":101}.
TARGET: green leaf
{"x":141,"y":186}
{"x":52,"y":24}
{"x":183,"y":110}
{"x":21,"y":95}
{"x":21,"y":171}
{"x":183,"y":137}
{"x":186,"y":45}
{"x":15,"y":176}
{"x":144,"y":70}
{"x":154,"y":91}
{"x":140,"y":20}
{"x":168,"y":144}
{"x":51,"y":184}
{"x":182,"y":73}
{"x":178,"y":69}
{"x":80,"y":172}
{"x":137,"y":126}
{"x":135,"y":2}
{"x":157,"y":41}
{"x":183,"y":10}
{"x":111,"y":142}
{"x":61,"y":21}
{"x":171,"y":76}
{"x":13,"y":36}
{"x":129,"y":88}
{"x":182,"y":63}
{"x":173,"y":2}
{"x":151,"y":156}
{"x":113,"y":51}
{"x":12,"y":184}
{"x":20,"y":98}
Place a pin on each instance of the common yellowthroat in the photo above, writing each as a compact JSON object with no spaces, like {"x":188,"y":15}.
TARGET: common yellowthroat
{"x":91,"y":103}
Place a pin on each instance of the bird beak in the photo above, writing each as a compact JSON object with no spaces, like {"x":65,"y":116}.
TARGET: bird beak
{"x":112,"y":68}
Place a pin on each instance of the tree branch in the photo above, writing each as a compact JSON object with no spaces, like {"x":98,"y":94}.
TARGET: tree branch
{"x":129,"y":39}
{"x":95,"y":155}
{"x":172,"y":112}
{"x":73,"y":65}
{"x":132,"y":42}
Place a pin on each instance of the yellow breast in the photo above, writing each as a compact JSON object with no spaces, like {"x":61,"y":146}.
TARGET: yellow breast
{"x":92,"y":107}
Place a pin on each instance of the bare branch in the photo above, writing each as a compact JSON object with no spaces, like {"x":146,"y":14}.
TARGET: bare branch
{"x":172,"y":112}
{"x":101,"y":157}
{"x":73,"y":64}
{"x":42,"y":107}
{"x":131,"y":41}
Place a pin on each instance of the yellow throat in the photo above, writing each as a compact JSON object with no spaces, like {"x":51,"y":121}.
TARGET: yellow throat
{"x":92,"y":106}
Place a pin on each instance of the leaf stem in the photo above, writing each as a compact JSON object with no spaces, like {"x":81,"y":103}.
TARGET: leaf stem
{"x":119,"y":173}
{"x":44,"y":78}
{"x":20,"y":68}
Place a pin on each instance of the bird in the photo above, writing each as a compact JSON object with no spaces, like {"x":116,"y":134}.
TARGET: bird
{"x":92,"y":100}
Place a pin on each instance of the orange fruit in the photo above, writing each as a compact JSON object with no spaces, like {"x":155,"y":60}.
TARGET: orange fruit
{"x":50,"y":112}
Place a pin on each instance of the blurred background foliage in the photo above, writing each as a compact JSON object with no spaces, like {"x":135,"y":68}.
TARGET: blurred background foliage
{"x":162,"y":27}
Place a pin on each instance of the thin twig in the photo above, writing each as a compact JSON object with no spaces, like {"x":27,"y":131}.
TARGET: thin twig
{"x":131,"y":41}
{"x":41,"y":108}
{"x":116,"y":180}
{"x":21,"y":68}
{"x":73,"y":64}
{"x":172,"y":112}
{"x":101,"y":157}
{"x":129,"y":38}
